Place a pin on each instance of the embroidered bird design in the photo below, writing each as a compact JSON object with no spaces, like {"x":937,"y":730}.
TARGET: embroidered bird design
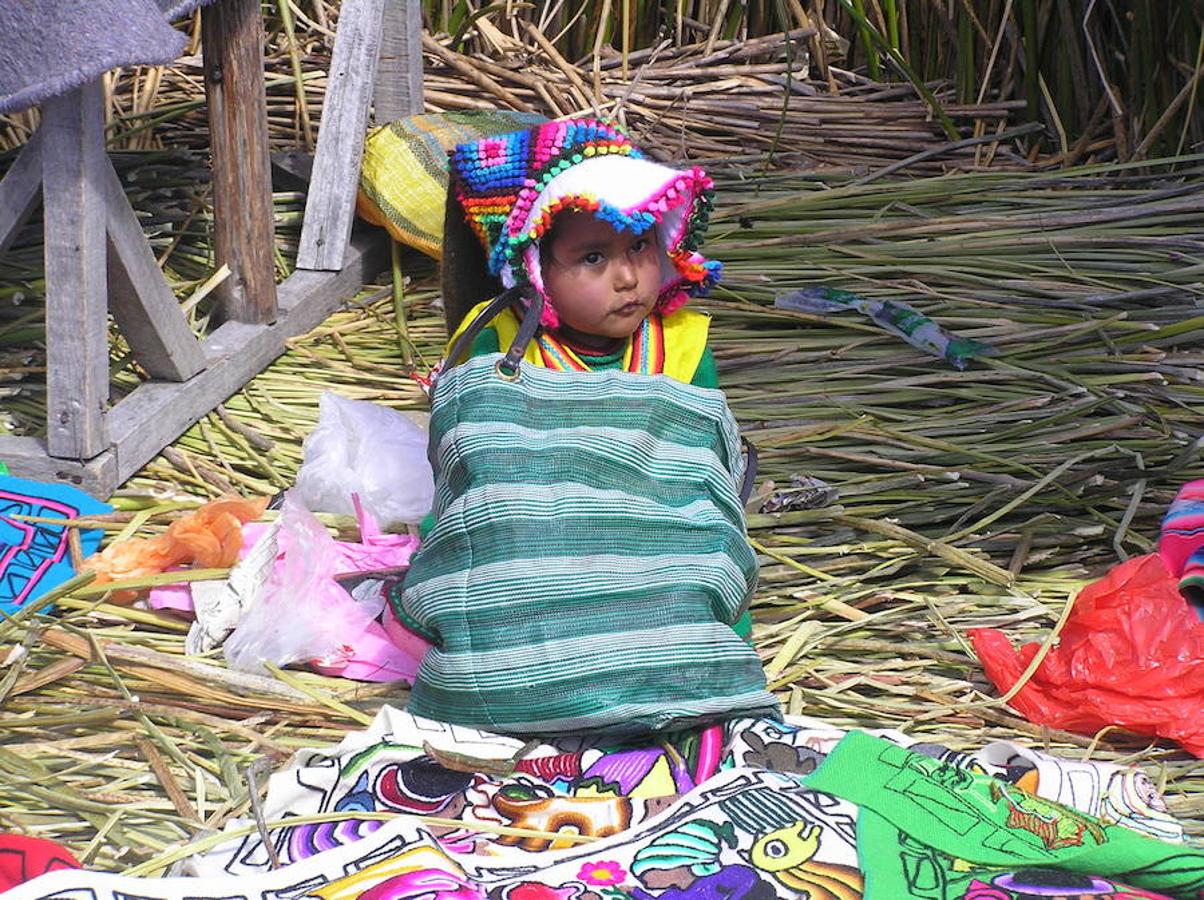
{"x":788,"y":853}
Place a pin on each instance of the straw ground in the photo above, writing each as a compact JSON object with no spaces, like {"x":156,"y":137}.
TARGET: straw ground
{"x":913,"y":501}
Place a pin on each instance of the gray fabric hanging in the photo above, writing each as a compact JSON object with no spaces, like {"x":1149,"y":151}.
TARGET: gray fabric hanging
{"x":49,"y":47}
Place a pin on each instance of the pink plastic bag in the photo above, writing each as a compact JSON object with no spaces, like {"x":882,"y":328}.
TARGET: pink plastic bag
{"x":303,"y":613}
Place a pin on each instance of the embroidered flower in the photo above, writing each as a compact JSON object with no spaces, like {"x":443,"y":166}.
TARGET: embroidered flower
{"x":602,"y":873}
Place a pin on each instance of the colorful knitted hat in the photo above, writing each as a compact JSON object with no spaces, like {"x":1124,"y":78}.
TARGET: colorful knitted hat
{"x":511,"y":186}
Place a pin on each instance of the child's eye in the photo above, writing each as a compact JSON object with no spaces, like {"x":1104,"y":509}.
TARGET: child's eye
{"x":592,"y":258}
{"x":639,"y":245}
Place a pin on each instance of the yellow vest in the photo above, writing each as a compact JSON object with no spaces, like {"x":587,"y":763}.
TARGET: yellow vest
{"x":685,"y":338}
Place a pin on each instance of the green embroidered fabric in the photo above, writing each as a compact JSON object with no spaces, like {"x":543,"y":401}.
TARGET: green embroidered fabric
{"x":931,"y":831}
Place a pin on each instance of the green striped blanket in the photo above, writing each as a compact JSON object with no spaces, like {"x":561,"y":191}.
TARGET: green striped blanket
{"x":588,"y":556}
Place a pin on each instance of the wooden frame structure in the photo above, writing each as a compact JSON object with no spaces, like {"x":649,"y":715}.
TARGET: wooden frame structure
{"x":98,"y":259}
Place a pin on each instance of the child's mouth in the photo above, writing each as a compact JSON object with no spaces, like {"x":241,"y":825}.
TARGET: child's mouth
{"x":631,"y":308}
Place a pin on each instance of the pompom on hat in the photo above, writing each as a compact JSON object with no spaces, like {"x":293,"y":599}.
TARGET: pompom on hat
{"x":512,"y":186}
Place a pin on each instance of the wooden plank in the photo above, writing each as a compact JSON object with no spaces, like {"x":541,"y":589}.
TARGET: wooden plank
{"x":28,"y":458}
{"x":156,"y":413}
{"x":398,"y":90}
{"x":19,"y":190}
{"x":243,"y":232}
{"x":77,"y":350}
{"x":139,"y":298}
{"x":330,"y":206}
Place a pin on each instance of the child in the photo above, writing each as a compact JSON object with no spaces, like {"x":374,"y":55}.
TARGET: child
{"x":588,"y":556}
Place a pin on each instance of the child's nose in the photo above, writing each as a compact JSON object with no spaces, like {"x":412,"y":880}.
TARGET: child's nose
{"x":626,"y":274}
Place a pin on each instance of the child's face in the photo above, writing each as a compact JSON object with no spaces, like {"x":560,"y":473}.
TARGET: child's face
{"x":601,"y":281}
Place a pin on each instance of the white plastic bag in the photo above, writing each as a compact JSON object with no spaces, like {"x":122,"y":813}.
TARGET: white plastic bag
{"x":300,"y":612}
{"x":370,"y":450}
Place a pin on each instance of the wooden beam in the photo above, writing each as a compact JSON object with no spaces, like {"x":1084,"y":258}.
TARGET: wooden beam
{"x":28,"y":458}
{"x":233,"y":38}
{"x":398,"y":90}
{"x":139,"y":298}
{"x":156,"y":413}
{"x":77,"y":348}
{"x":330,"y":206}
{"x":19,"y":190}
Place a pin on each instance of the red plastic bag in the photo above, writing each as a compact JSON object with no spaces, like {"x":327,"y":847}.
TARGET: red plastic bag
{"x":1131,"y":655}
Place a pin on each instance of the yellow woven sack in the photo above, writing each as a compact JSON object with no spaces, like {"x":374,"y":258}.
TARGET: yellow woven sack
{"x":403,"y":180}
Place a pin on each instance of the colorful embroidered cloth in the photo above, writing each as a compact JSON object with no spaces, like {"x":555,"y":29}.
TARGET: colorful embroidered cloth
{"x":36,"y":556}
{"x":588,"y":557}
{"x":1181,"y":545}
{"x":725,"y":812}
{"x":932,"y":832}
{"x":578,"y":788}
{"x":897,"y":318}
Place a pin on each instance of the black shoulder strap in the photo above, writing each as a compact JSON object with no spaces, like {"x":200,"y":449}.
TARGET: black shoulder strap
{"x":463,"y":343}
{"x":508,"y":366}
{"x":530,"y":324}
{"x":750,"y":469}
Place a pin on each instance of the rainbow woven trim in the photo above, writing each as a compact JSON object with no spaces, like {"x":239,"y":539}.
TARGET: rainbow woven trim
{"x":645,"y":353}
{"x":648,"y":347}
{"x":1181,"y":544}
{"x":503,"y":175}
{"x":1183,"y":527}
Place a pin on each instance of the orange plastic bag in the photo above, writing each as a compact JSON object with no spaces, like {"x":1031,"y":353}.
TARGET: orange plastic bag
{"x":1131,"y":655}
{"x":209,"y":539}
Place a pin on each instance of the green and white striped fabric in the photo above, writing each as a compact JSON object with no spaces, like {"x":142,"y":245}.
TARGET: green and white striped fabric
{"x":588,"y":556}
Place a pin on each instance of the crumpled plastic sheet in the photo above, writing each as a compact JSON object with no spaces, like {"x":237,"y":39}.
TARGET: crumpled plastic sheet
{"x":1131,"y":654}
{"x":208,"y":538}
{"x":898,"y":318}
{"x":303,"y":613}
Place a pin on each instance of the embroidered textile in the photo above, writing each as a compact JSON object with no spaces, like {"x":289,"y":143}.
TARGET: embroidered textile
{"x":722,"y":812}
{"x":35,"y":556}
{"x":933,"y":832}
{"x":580,"y":786}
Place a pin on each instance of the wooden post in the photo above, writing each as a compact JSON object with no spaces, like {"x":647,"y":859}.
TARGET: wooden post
{"x":77,"y":346}
{"x":232,"y":35}
{"x":398,"y":90}
{"x":330,"y":205}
